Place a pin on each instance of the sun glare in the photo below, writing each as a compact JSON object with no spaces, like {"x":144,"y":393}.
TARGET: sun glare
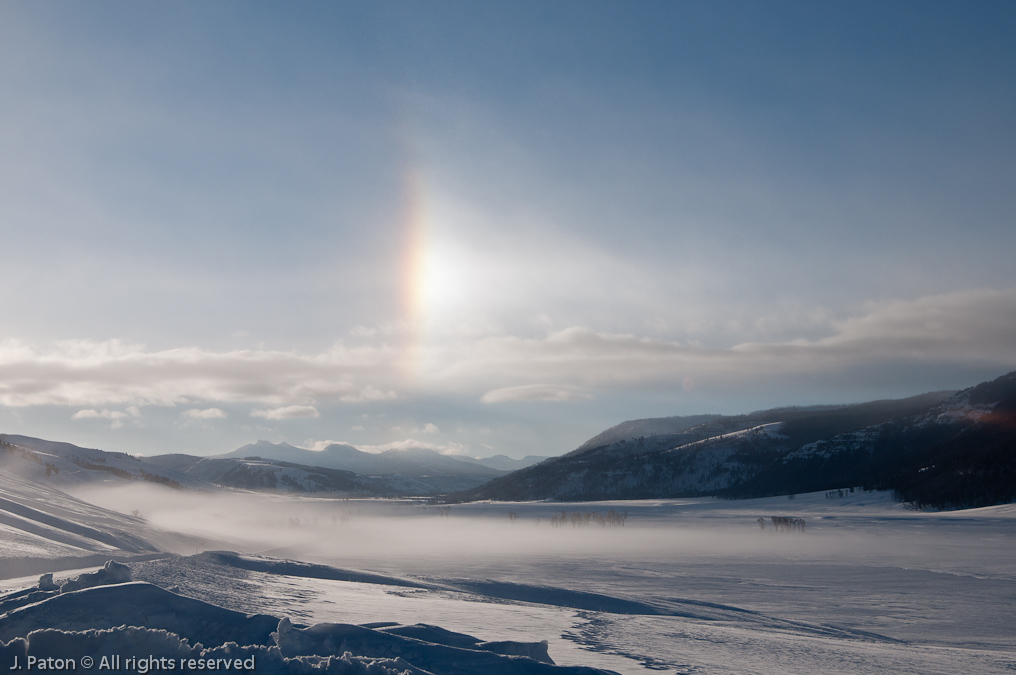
{"x":443,"y":277}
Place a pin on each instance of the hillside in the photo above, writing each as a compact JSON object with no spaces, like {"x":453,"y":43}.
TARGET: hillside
{"x":960,"y":453}
{"x":65,"y":465}
{"x":42,"y":528}
{"x":940,"y":449}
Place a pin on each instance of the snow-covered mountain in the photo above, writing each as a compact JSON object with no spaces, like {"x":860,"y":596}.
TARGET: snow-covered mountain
{"x":339,"y":468}
{"x":504,"y":462}
{"x":414,"y":462}
{"x":67,"y":466}
{"x":959,"y":453}
{"x":779,"y":451}
{"x":276,"y":476}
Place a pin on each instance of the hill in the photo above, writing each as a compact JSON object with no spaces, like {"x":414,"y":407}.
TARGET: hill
{"x":941,"y":449}
{"x":43,"y":528}
{"x":416,"y":469}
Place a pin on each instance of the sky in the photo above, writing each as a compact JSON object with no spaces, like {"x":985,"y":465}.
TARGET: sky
{"x":494,"y":228}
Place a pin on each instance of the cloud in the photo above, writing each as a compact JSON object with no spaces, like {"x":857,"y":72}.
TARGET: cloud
{"x":973,"y":329}
{"x":369,"y":393}
{"x":534,"y":392}
{"x":112,"y":372}
{"x":116,"y":417}
{"x":967,"y":329}
{"x":413,"y":444}
{"x":289,"y":412}
{"x":430,"y":428}
{"x":95,"y":414}
{"x":206,"y":414}
{"x":318,"y":446}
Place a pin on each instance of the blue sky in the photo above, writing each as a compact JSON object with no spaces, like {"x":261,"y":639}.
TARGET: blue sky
{"x":494,"y":228}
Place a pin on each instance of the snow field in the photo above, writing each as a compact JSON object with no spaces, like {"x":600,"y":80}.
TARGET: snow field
{"x":686,"y":586}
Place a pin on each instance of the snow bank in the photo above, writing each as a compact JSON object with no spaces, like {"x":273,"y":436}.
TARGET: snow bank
{"x":146,"y":650}
{"x":95,"y":616}
{"x":138,"y":604}
{"x":111,"y":573}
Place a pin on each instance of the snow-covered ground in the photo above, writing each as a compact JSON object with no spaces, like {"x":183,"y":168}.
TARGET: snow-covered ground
{"x":685,"y":586}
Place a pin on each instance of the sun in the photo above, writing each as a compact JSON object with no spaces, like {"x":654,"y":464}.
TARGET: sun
{"x":443,"y":277}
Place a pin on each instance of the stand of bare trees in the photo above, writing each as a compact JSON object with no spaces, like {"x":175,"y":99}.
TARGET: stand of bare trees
{"x":610,"y":519}
{"x":783,"y":523}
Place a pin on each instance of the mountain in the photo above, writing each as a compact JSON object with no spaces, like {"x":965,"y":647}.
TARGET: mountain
{"x":443,"y":472}
{"x":339,"y":468}
{"x":731,"y":456}
{"x":260,"y":466}
{"x":66,"y":465}
{"x":276,"y":476}
{"x":960,"y":453}
{"x":284,"y":452}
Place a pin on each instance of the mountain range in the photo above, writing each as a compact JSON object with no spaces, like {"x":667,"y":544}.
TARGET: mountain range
{"x":943,"y":449}
{"x":411,"y":461}
{"x":339,"y":469}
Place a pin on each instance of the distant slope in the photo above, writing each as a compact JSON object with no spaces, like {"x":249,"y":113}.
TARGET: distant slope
{"x":267,"y":475}
{"x":410,"y":471}
{"x":273,"y":476}
{"x":65,"y":465}
{"x":425,"y":473}
{"x":43,"y":528}
{"x":960,"y":453}
{"x":719,"y":456}
{"x":414,"y":462}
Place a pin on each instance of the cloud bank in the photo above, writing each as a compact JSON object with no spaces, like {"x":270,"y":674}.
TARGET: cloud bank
{"x":207,"y":414}
{"x":116,"y":417}
{"x":289,"y":412}
{"x":967,"y":329}
{"x":103,"y":373}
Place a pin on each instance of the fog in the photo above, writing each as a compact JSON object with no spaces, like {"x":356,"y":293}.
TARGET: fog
{"x":412,"y":536}
{"x":629,"y":586}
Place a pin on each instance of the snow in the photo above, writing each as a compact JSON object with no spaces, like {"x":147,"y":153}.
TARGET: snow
{"x":84,"y":622}
{"x":957,"y":408}
{"x":846,"y":442}
{"x":39,"y":521}
{"x":686,"y":586}
{"x":769,"y":430}
{"x":646,"y":427}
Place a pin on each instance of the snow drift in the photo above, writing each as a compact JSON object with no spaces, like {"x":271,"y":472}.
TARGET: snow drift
{"x":98,"y":617}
